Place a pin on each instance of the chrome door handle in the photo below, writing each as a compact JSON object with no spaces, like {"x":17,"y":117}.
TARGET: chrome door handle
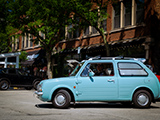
{"x":110,"y":80}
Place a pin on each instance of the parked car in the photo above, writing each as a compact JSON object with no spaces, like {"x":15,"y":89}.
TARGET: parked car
{"x":106,"y":79}
{"x":13,"y":77}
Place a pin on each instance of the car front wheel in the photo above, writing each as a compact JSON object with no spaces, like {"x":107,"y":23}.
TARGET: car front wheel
{"x":61,"y":99}
{"x":142,"y":99}
{"x":4,"y":85}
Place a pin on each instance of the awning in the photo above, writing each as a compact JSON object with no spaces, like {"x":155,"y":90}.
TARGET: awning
{"x":31,"y":56}
{"x":116,"y":43}
{"x":125,"y":41}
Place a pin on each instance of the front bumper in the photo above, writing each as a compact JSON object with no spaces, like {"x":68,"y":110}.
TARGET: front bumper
{"x":38,"y":93}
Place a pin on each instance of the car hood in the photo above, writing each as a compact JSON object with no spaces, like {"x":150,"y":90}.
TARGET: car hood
{"x":58,"y":79}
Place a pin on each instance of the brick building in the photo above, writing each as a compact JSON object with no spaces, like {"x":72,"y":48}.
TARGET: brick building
{"x":132,"y":29}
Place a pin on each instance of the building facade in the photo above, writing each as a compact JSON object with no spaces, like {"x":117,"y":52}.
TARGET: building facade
{"x":36,"y":61}
{"x":132,"y":29}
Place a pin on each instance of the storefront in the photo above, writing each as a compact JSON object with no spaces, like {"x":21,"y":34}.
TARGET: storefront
{"x":36,"y":63}
{"x":9,"y":60}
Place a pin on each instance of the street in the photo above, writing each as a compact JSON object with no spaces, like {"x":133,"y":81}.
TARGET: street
{"x":23,"y":105}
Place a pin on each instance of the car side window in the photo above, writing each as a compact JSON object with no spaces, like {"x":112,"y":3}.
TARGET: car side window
{"x":100,"y":69}
{"x":3,"y":71}
{"x":131,"y":69}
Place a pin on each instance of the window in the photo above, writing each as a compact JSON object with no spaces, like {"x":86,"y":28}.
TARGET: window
{"x":116,"y":21}
{"x":127,"y":12}
{"x":27,"y":40}
{"x":17,"y":43}
{"x":94,"y":31}
{"x":75,"y":71}
{"x":86,"y":31}
{"x":22,"y":42}
{"x":104,"y":24}
{"x":31,"y":42}
{"x":14,"y":43}
{"x":139,"y":11}
{"x":131,"y":69}
{"x":100,"y":69}
{"x":70,"y":31}
{"x":62,"y":33}
{"x":76,"y":31}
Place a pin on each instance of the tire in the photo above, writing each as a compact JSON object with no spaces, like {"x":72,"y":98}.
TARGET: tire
{"x":142,"y":99}
{"x":35,"y":84}
{"x":61,"y":99}
{"x":4,"y":85}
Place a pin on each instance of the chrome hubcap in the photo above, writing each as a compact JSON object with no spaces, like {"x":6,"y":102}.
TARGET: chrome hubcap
{"x":142,"y":99}
{"x":4,"y":85}
{"x":60,"y":100}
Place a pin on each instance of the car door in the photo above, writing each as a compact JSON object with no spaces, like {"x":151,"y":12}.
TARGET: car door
{"x":24,"y":77}
{"x":13,"y":77}
{"x":98,"y":87}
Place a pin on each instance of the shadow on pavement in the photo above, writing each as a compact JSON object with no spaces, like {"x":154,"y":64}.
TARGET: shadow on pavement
{"x":93,"y":105}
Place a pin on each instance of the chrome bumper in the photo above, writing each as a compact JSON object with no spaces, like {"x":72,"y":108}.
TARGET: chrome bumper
{"x":38,"y":93}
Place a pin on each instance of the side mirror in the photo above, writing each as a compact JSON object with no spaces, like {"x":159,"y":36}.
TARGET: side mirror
{"x":91,"y":73}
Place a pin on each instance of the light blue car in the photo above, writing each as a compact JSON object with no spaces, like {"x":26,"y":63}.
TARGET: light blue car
{"x":105,"y":79}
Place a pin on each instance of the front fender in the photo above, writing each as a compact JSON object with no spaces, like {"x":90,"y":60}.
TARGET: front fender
{"x":54,"y":89}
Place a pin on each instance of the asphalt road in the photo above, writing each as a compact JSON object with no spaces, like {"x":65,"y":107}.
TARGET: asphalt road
{"x":23,"y":105}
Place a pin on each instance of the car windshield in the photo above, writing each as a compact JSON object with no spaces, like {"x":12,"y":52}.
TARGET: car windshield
{"x":75,"y":71}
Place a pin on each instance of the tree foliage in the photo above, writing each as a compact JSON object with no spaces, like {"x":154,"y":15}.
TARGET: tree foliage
{"x":51,"y":16}
{"x":4,"y":28}
{"x":91,"y":13}
{"x":33,"y":16}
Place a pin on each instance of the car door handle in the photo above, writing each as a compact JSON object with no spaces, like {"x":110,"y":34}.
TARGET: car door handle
{"x":110,"y":80}
{"x":78,"y":82}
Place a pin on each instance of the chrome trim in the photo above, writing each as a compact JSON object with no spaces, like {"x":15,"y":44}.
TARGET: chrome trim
{"x":38,"y":93}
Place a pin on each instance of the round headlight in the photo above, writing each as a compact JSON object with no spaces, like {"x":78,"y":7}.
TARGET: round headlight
{"x":39,"y":87}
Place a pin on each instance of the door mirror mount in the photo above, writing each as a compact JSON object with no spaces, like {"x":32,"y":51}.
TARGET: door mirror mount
{"x":91,"y":73}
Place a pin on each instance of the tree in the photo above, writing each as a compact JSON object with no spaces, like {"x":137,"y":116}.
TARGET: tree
{"x":91,"y":12}
{"x":33,"y":16}
{"x":5,"y":32}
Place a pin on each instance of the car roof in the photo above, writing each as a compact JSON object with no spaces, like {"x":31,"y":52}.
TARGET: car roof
{"x":117,"y":58}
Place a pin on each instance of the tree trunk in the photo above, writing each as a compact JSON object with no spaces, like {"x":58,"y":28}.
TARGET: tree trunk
{"x":49,"y":67}
{"x":106,"y":44}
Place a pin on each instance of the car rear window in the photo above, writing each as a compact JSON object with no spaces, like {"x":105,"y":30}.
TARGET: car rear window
{"x":131,"y":69}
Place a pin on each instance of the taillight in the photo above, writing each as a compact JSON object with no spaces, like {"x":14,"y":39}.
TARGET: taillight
{"x":158,"y":76}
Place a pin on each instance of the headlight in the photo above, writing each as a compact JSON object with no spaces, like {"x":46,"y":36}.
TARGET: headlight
{"x":39,"y":87}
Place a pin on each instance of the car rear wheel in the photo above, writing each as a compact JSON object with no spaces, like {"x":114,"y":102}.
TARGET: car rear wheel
{"x":61,"y":99}
{"x":142,"y":99}
{"x":4,"y":85}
